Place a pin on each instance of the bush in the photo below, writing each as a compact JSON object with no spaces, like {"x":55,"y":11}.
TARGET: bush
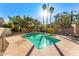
{"x":15,"y":29}
{"x":51,"y":30}
{"x":7,"y":25}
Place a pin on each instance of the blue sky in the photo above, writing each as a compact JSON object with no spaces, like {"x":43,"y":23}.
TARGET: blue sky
{"x":33,"y":9}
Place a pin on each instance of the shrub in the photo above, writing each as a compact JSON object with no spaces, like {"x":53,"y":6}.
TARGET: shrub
{"x":7,"y":25}
{"x":51,"y":30}
{"x":15,"y":29}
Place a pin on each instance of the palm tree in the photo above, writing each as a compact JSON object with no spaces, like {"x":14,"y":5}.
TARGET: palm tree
{"x":47,"y":13}
{"x":43,"y":7}
{"x":51,"y":9}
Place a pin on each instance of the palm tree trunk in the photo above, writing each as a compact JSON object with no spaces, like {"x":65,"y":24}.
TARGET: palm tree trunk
{"x":46,"y":21}
{"x":43,"y":21}
{"x":50,"y":21}
{"x":47,"y":15}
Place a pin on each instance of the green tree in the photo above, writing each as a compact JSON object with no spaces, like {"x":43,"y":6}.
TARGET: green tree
{"x":63,"y":20}
{"x":37,"y":24}
{"x":77,"y":17}
{"x":15,"y":22}
{"x":1,"y":21}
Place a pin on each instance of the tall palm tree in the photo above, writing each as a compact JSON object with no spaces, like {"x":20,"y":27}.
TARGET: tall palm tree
{"x":51,"y":9}
{"x":47,"y":13}
{"x":43,"y":7}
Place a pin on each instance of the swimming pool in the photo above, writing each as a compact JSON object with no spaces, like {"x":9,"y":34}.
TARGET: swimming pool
{"x":40,"y":40}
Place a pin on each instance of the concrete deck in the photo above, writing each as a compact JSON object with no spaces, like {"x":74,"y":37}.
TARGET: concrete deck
{"x":17,"y":46}
{"x":67,"y":47}
{"x":20,"y":47}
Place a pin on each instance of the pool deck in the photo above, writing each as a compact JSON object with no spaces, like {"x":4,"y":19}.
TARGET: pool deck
{"x":18,"y":46}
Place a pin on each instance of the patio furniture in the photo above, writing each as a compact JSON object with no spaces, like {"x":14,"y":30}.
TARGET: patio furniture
{"x":72,"y":35}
